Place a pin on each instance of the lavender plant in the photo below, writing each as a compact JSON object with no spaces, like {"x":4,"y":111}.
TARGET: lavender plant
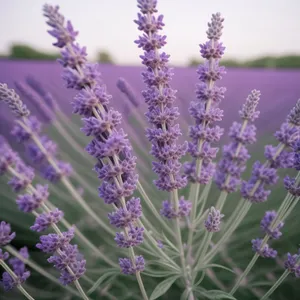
{"x":167,"y":244}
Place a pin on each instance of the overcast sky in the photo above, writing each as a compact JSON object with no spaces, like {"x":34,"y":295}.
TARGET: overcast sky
{"x":252,"y":27}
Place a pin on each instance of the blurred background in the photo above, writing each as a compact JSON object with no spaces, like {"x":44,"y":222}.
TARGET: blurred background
{"x":262,"y":52}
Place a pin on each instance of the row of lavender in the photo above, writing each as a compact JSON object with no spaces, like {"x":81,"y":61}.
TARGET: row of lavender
{"x":116,"y":165}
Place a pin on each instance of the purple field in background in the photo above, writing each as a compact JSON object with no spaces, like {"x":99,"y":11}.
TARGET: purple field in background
{"x":280,"y":89}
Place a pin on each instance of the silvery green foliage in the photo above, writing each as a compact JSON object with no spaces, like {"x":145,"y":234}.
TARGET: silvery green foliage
{"x":124,"y":240}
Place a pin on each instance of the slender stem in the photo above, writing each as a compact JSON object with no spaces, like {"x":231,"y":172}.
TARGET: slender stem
{"x":276,"y":285}
{"x":245,"y":273}
{"x":153,"y":209}
{"x":141,"y":285}
{"x":80,"y":290}
{"x":15,"y":278}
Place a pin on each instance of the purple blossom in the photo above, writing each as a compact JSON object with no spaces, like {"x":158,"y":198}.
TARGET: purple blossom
{"x":169,"y":212}
{"x":266,"y":251}
{"x":132,"y":238}
{"x":128,"y":268}
{"x":122,"y":218}
{"x":68,"y":259}
{"x":29,"y":202}
{"x":45,"y":220}
{"x":291,"y":263}
{"x":23,"y":179}
{"x":53,"y":175}
{"x":3,"y":255}
{"x":266,"y":222}
{"x":6,"y":236}
{"x":19,"y":268}
{"x":291,"y":186}
{"x":51,"y":242}
{"x":23,"y":135}
{"x":126,"y":89}
{"x":7,"y":156}
{"x":213,"y":221}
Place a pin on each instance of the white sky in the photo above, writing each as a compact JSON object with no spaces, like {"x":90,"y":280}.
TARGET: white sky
{"x":252,"y":27}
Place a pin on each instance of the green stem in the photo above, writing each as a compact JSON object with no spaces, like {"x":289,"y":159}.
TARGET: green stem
{"x":153,"y":209}
{"x":275,"y":285}
{"x":245,"y":273}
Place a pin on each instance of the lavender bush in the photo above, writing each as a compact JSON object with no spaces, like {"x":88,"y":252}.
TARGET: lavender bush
{"x":173,"y":237}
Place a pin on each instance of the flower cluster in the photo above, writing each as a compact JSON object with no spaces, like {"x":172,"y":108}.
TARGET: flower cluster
{"x":17,"y":266}
{"x":265,"y":251}
{"x":110,"y":145}
{"x":266,"y":224}
{"x":205,"y":110}
{"x":71,"y":267}
{"x":292,"y":264}
{"x":27,"y":130}
{"x":235,"y":155}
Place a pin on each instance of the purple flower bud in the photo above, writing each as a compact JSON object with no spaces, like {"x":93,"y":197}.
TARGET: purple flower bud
{"x":29,"y":202}
{"x":76,"y":56}
{"x":132,"y":238}
{"x":8,"y":157}
{"x":291,"y":262}
{"x":51,"y":242}
{"x":19,"y":183}
{"x":6,"y":236}
{"x":3,"y":255}
{"x":51,"y":174}
{"x":18,"y":268}
{"x":45,"y":220}
{"x":69,"y":257}
{"x":213,"y":220}
{"x":168,"y":210}
{"x":248,"y":111}
{"x":214,"y":31}
{"x":291,"y":186}
{"x":122,"y":218}
{"x":128,"y":268}
{"x":22,"y":135}
{"x":266,"y":223}
{"x":266,"y":251}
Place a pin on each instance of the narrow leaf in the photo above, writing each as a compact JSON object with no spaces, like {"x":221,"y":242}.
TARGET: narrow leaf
{"x":163,"y":287}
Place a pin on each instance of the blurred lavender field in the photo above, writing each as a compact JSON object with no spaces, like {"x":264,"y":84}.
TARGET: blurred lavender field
{"x":280,"y":90}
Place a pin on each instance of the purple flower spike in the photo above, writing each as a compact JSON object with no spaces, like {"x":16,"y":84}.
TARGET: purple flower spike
{"x":235,"y":155}
{"x":169,"y":212}
{"x":6,"y":236}
{"x":128,"y":268}
{"x":213,"y":221}
{"x":110,"y":146}
{"x":45,"y":220}
{"x":266,"y":223}
{"x":3,"y":255}
{"x":51,"y":174}
{"x":266,"y":252}
{"x":205,"y":110}
{"x":159,"y":97}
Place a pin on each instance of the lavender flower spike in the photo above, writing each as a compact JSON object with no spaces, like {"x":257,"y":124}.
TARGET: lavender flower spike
{"x":213,"y":221}
{"x":159,"y":96}
{"x":235,"y":155}
{"x":110,"y":146}
{"x":205,"y":110}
